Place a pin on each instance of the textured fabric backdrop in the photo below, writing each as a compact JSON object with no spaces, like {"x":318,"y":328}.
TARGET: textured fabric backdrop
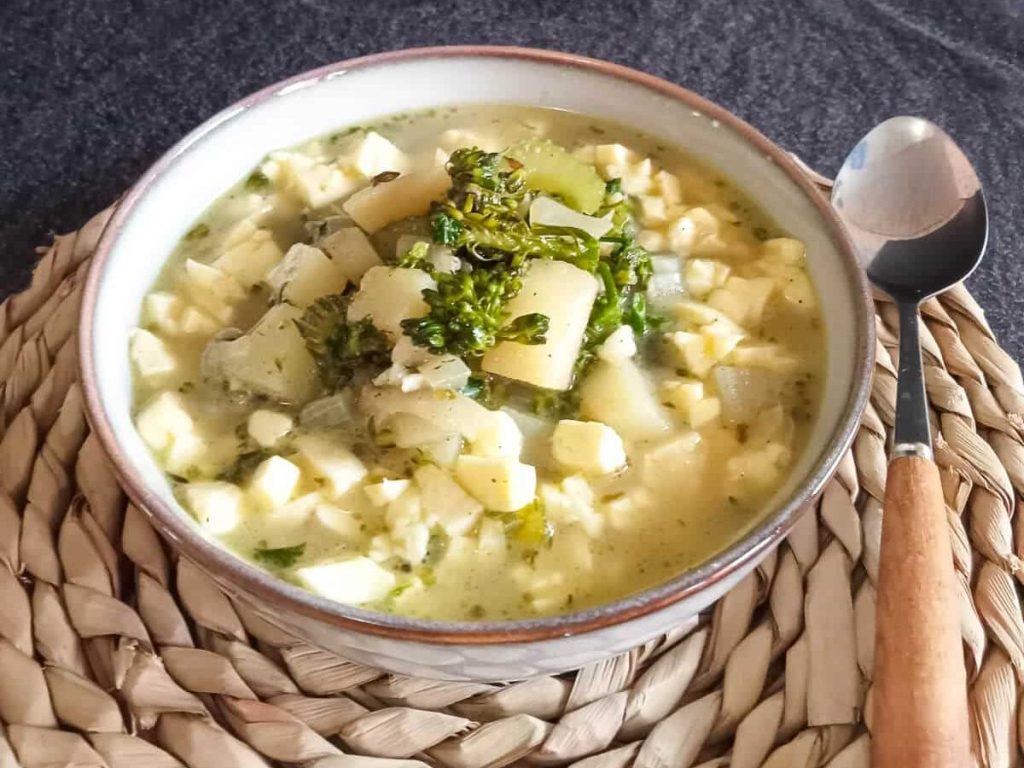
{"x":92,"y":92}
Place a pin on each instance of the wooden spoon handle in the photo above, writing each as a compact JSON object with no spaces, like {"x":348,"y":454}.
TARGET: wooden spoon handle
{"x":920,"y":690}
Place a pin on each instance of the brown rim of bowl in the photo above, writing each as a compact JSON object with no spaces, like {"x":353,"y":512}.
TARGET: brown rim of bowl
{"x":261,"y":585}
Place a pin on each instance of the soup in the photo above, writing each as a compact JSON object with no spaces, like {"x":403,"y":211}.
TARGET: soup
{"x":479,"y":364}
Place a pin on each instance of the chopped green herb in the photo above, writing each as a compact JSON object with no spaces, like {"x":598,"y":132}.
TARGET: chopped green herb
{"x":257,"y":181}
{"x":280,"y":557}
{"x":243,"y":466}
{"x":198,"y":232}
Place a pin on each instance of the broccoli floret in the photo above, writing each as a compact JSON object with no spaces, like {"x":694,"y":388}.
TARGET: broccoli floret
{"x":341,"y":349}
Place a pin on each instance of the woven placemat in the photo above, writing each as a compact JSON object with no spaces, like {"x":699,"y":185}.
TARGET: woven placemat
{"x":113,"y":653}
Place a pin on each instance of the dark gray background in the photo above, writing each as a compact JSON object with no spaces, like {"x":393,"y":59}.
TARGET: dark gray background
{"x":92,"y":92}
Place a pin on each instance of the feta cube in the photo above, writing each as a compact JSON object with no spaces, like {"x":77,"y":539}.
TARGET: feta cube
{"x":274,"y":481}
{"x":329,"y":463}
{"x":267,"y":427}
{"x":652,"y":209}
{"x":340,"y":521}
{"x":499,"y":435}
{"x":669,"y":186}
{"x":704,"y":412}
{"x":408,"y":531}
{"x":704,"y":275}
{"x":698,"y":352}
{"x":163,"y":420}
{"x":783,"y":250}
{"x":153,"y":359}
{"x":352,"y":251}
{"x":250,"y":260}
{"x":682,"y":394}
{"x":383,"y":493}
{"x":195,"y":322}
{"x":213,"y":290}
{"x":312,"y":183}
{"x":445,"y":503}
{"x":353,"y":581}
{"x":619,"y":347}
{"x":612,"y":154}
{"x":217,"y":506}
{"x":500,"y":483}
{"x":588,"y":446}
{"x":636,"y":178}
{"x":681,"y":234}
{"x":161,"y":310}
{"x":305,"y":274}
{"x":374,"y":154}
{"x":699,"y":314}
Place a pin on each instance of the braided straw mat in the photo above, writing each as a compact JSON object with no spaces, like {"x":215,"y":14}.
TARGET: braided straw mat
{"x":113,"y":653}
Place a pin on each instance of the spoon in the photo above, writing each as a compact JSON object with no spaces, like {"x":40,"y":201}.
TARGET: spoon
{"x":915,"y":211}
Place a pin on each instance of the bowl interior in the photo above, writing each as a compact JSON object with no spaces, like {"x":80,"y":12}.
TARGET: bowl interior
{"x":177,"y":190}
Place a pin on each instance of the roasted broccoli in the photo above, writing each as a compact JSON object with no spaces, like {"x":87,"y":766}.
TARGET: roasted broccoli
{"x":340,"y":348}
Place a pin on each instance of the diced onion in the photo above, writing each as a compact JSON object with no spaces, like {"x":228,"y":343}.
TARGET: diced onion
{"x":546,"y":212}
{"x":328,"y":412}
{"x":666,"y":263}
{"x":665,"y":289}
{"x":446,"y":373}
{"x":745,"y":392}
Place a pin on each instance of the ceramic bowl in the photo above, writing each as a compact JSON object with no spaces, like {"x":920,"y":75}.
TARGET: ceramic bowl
{"x":175,"y":191}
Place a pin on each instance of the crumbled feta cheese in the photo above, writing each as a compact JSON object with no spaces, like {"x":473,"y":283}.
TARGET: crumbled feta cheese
{"x":162,"y":310}
{"x":216,"y":505}
{"x":499,"y":483}
{"x":329,"y":463}
{"x":383,"y":493}
{"x":151,"y":356}
{"x":274,"y":481}
{"x":704,"y":275}
{"x":339,"y":521}
{"x":445,"y":503}
{"x":743,"y":299}
{"x":353,"y":581}
{"x":251,"y":260}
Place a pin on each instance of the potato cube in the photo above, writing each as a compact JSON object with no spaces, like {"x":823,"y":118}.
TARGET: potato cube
{"x":652,"y":210}
{"x":669,"y":186}
{"x":163,"y":420}
{"x":619,"y":347}
{"x":675,"y":464}
{"x":612,"y":154}
{"x":267,"y":427}
{"x":499,"y":483}
{"x":340,"y":521}
{"x":274,"y":481}
{"x":195,"y":322}
{"x":353,"y":581}
{"x":704,"y":275}
{"x":783,"y":250}
{"x":704,"y":412}
{"x":312,"y":183}
{"x":374,"y":154}
{"x":681,"y":234}
{"x":383,"y":493}
{"x":351,"y":250}
{"x":699,"y":352}
{"x":445,"y":503}
{"x":249,"y":261}
{"x":770,"y":356}
{"x":213,"y":290}
{"x":445,"y":373}
{"x":622,"y":397}
{"x":682,"y":394}
{"x":498,"y":435}
{"x":636,"y":178}
{"x":161,"y":310}
{"x":743,"y":299}
{"x":153,"y":359}
{"x":329,"y":463}
{"x":217,"y":506}
{"x":305,"y":274}
{"x":389,"y":295}
{"x":588,"y":446}
{"x":409,"y":195}
{"x":565,"y":294}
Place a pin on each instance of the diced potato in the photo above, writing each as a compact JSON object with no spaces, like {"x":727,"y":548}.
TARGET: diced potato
{"x":274,"y":481}
{"x":340,"y":521}
{"x":383,"y":493}
{"x":295,"y":512}
{"x":351,"y":250}
{"x":153,"y":359}
{"x":758,"y":468}
{"x":409,"y":195}
{"x":622,"y":397}
{"x":215,"y":291}
{"x":411,"y":431}
{"x":770,"y":356}
{"x":783,"y":250}
{"x":701,"y":314}
{"x":704,"y":412}
{"x":619,"y":347}
{"x":445,"y":503}
{"x":329,"y":463}
{"x":445,"y":451}
{"x":635,"y":177}
{"x":195,"y":322}
{"x":305,"y":274}
{"x":267,"y":427}
{"x":794,"y":284}
{"x":743,"y":299}
{"x":704,"y":275}
{"x":669,"y":186}
{"x":682,"y":394}
{"x":270,"y":359}
{"x":374,"y":154}
{"x":353,"y":581}
{"x":445,"y":373}
{"x":565,"y":294}
{"x":447,"y":411}
{"x":389,"y":295}
{"x":698,"y":352}
{"x":167,"y":427}
{"x":588,"y":446}
{"x":162,"y":310}
{"x":498,"y":435}
{"x":612,"y":154}
{"x":653,"y":210}
{"x":250,"y":260}
{"x":499,"y":483}
{"x":694,"y":226}
{"x":312,"y":183}
{"x":217,"y":506}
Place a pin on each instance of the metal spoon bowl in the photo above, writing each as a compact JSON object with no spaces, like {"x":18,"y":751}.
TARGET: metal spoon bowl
{"x":914,"y":207}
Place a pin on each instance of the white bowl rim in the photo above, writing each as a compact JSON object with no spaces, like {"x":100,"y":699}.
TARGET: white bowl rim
{"x":756,"y":543}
